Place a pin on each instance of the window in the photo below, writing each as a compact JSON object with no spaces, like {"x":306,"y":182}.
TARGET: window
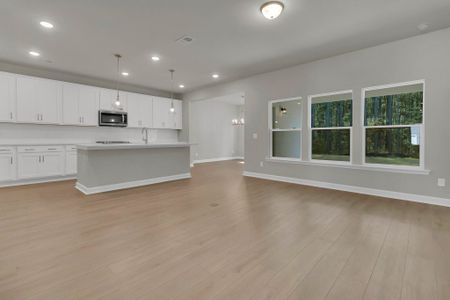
{"x":331,"y":126}
{"x":393,"y":124}
{"x":285,"y":123}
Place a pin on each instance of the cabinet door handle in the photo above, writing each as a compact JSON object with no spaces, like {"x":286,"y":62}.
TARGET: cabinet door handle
{"x":43,"y":158}
{"x":11,"y":115}
{"x":79,"y":120}
{"x":39,"y":158}
{"x":11,"y":160}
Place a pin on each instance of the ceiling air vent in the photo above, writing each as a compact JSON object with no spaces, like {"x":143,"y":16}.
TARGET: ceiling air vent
{"x":185,"y":40}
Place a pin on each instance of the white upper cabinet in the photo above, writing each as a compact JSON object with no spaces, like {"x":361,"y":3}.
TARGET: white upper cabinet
{"x":27,"y":106}
{"x":89,"y":105}
{"x":178,"y":114}
{"x":27,"y":99}
{"x":49,"y":93}
{"x":38,"y":100}
{"x":7,"y":97}
{"x":80,"y":104}
{"x":71,"y":99}
{"x":161,"y":111}
{"x":163,"y":117}
{"x":140,"y":110}
{"x":108,"y":98}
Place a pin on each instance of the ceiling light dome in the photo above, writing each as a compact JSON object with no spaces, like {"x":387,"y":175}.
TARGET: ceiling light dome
{"x":272,"y":9}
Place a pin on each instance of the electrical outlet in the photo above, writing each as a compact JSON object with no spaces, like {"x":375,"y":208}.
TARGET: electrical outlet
{"x":441,"y":182}
{"x":255,"y":136}
{"x":261,"y":164}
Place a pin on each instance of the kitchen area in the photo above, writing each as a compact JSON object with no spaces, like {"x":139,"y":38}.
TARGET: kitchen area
{"x":54,"y":130}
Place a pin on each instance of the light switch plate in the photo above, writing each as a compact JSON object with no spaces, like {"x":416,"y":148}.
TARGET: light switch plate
{"x":441,"y":182}
{"x":261,"y":164}
{"x":255,"y":136}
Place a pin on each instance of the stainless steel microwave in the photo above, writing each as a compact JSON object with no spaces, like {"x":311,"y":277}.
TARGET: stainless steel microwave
{"x":112,"y":118}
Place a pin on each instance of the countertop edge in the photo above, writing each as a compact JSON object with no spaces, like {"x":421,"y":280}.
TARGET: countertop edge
{"x":97,"y":147}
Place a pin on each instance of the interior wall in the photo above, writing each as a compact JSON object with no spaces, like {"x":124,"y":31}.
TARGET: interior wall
{"x":213,"y":135}
{"x":421,"y":57}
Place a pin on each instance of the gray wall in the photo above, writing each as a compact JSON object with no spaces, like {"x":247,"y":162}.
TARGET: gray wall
{"x":422,"y":57}
{"x":212,"y":132}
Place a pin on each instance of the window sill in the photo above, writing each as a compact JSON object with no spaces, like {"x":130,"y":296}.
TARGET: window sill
{"x":346,"y":165}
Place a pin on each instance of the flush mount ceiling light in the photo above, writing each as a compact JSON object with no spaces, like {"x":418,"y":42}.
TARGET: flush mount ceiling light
{"x":181,"y":86}
{"x":34,"y":53}
{"x":155,"y":58}
{"x":125,"y":73}
{"x":215,"y":76}
{"x":46,"y":24}
{"x":272,"y":9}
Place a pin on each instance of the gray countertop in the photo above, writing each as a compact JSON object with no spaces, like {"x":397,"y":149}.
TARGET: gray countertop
{"x":130,"y":146}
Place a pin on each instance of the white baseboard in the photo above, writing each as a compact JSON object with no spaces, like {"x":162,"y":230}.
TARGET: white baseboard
{"x":200,"y":161}
{"x":126,"y":185}
{"x":354,"y":189}
{"x":36,"y":180}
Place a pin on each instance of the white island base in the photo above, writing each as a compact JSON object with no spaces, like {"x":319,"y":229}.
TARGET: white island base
{"x":103,"y":168}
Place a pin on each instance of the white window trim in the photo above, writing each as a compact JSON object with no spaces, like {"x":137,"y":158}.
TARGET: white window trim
{"x":270,"y":127}
{"x":377,"y":168}
{"x":421,"y":166}
{"x":310,"y":129}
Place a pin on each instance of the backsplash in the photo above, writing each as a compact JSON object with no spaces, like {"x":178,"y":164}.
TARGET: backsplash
{"x":29,"y":133}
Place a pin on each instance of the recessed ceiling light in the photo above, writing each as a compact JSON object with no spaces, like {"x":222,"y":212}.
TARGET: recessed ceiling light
{"x":46,"y":24}
{"x":125,"y":73}
{"x":155,"y":58}
{"x":181,"y":86}
{"x":272,"y":9}
{"x":215,"y":76}
{"x":34,"y":53}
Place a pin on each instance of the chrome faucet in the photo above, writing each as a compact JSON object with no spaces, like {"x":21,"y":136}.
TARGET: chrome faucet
{"x":145,"y":135}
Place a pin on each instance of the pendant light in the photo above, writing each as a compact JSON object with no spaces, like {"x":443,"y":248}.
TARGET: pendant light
{"x":117,"y":102}
{"x":172,"y":108}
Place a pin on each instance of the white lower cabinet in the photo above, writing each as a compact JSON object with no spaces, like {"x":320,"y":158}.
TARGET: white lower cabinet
{"x":71,"y":160}
{"x":40,"y":161}
{"x":28,"y":165}
{"x":7,"y":164}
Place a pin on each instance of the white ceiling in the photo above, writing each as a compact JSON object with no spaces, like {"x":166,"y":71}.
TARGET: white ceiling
{"x":231,"y":36}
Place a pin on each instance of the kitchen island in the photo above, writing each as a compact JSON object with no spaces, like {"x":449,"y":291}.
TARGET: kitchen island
{"x":109,"y":167}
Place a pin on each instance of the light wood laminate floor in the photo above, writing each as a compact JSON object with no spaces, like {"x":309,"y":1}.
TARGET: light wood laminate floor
{"x":220,"y":236}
